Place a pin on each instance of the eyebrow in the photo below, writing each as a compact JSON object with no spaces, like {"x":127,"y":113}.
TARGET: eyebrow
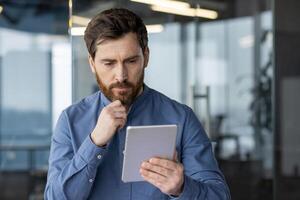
{"x":132,"y":57}
{"x":113,"y":60}
{"x":107,"y":60}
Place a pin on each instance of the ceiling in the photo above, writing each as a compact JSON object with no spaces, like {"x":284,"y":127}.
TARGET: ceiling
{"x":48,"y":16}
{"x":225,"y":8}
{"x":52,"y":16}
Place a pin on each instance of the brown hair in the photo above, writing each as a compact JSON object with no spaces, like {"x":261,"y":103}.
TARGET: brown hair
{"x":113,"y":24}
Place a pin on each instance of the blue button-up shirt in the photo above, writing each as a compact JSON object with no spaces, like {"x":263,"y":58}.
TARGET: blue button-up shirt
{"x":78,"y":169}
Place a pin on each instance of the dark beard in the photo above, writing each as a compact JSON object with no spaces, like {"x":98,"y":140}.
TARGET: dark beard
{"x":125,"y":98}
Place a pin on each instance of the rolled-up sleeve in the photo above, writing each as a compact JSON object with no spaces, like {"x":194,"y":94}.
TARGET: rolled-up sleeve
{"x":71,"y":174}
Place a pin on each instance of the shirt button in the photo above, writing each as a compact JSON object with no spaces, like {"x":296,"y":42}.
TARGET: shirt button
{"x":91,"y":180}
{"x":99,"y":156}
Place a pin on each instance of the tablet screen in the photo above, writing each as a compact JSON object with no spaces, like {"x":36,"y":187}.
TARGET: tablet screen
{"x":143,"y":143}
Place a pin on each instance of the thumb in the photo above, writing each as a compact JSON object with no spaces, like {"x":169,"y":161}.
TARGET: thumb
{"x":175,"y":156}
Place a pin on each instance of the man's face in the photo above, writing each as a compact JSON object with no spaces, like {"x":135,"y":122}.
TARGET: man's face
{"x":119,"y":68}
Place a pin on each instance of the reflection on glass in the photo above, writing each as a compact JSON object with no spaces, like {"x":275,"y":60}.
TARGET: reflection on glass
{"x":29,"y":33}
{"x":26,"y":93}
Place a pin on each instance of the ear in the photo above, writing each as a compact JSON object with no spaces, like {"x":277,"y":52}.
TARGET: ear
{"x":92,"y":64}
{"x":146,"y":57}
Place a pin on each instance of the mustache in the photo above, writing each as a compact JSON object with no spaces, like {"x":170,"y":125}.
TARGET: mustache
{"x":121,"y":85}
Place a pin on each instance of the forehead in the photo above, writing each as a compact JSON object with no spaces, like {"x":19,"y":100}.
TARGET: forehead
{"x":127,"y":45}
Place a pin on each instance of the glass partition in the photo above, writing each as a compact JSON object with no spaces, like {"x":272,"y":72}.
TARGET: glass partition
{"x":34,"y":48}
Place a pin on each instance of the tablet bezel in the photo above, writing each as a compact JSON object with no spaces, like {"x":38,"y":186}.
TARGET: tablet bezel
{"x":140,"y":141}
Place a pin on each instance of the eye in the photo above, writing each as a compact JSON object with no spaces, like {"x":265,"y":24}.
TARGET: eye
{"x":132,"y":61}
{"x":108,"y":64}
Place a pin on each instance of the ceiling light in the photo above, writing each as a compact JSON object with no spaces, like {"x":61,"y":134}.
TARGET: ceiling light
{"x":179,"y":8}
{"x":82,"y":21}
{"x":190,"y":12}
{"x":165,"y":3}
{"x":155,"y":28}
{"x":1,"y":9}
{"x":77,"y":31}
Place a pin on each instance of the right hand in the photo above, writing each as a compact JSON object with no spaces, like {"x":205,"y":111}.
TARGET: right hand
{"x":111,"y":118}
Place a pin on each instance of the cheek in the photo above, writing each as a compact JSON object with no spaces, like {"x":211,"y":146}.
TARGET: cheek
{"x":134,"y":75}
{"x":105,"y":76}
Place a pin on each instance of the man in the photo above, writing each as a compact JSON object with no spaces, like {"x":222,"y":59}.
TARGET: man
{"x":86,"y":151}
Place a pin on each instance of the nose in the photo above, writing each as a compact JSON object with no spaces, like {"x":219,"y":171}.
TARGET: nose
{"x":121,"y":73}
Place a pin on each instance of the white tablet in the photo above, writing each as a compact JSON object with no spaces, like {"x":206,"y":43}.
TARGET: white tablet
{"x":143,"y":143}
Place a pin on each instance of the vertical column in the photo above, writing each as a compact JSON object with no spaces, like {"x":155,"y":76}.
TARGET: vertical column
{"x":286,"y":99}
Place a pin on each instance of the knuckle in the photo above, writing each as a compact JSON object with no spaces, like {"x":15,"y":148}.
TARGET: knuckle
{"x":118,"y":102}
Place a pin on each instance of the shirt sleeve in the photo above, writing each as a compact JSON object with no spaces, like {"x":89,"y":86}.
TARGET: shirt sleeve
{"x":203,"y":180}
{"x":71,"y":174}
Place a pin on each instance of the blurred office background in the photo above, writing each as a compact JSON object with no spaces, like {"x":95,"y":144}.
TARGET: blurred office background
{"x":235,"y":62}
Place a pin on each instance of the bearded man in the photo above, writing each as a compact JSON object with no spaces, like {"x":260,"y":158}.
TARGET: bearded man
{"x":87,"y":145}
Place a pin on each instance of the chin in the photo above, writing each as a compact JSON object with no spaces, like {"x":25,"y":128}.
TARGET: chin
{"x":121,"y":95}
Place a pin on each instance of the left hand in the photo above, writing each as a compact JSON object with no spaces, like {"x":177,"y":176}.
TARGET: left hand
{"x":167,"y":175}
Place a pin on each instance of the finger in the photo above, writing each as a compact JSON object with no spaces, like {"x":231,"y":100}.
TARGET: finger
{"x":116,"y":103}
{"x":152,"y":181}
{"x":157,"y":169}
{"x":122,"y":115}
{"x":175,"y":156}
{"x":147,"y":174}
{"x":169,"y":164}
{"x":119,"y":109}
{"x":120,"y":123}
